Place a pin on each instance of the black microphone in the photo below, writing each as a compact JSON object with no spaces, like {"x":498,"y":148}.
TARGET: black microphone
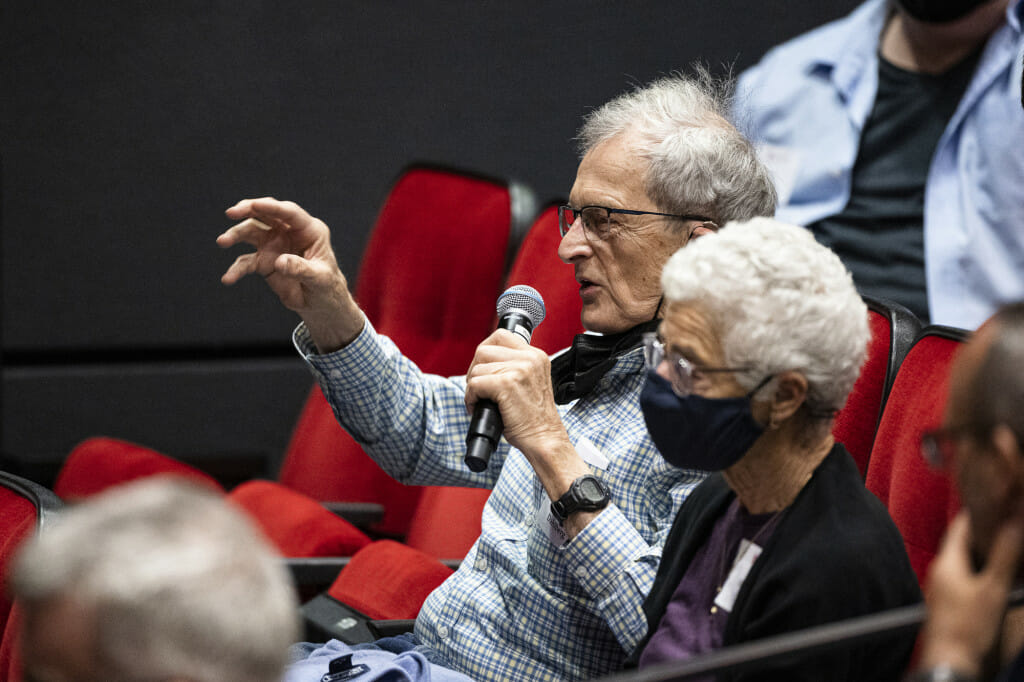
{"x":520,"y":310}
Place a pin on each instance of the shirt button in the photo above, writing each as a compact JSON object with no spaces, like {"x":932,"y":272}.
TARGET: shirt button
{"x":481,"y":564}
{"x":335,"y":373}
{"x":442,"y":632}
{"x":581,"y":572}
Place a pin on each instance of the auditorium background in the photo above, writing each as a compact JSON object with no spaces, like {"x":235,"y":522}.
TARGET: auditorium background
{"x":128,"y":127}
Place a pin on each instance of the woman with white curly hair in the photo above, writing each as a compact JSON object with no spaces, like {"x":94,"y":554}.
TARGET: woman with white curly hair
{"x":762,"y":340}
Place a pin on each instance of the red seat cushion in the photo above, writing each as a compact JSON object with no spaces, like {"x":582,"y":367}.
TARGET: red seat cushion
{"x":388,"y":580}
{"x":298,"y":525}
{"x":98,"y":463}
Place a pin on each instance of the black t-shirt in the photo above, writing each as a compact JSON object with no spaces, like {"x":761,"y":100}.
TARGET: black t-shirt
{"x":879,"y":235}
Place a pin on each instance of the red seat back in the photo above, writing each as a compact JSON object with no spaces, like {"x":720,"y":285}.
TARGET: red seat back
{"x":893,"y":330}
{"x":429,"y":279}
{"x":98,"y":463}
{"x":538,"y":265}
{"x":920,"y":500}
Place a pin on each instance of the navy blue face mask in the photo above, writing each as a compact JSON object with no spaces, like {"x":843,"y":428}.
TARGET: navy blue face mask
{"x":695,"y":432}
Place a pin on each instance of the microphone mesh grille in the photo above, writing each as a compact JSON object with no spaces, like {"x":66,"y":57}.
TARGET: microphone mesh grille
{"x":525,"y":299}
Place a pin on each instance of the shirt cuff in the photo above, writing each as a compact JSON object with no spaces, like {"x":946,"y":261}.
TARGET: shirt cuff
{"x":604,"y":550}
{"x":348,"y":371}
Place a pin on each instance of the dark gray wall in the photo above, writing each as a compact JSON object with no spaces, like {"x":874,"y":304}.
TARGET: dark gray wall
{"x":128,"y":127}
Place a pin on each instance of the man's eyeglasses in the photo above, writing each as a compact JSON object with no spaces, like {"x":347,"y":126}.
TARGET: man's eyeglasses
{"x":938,"y":446}
{"x":681,"y":370}
{"x":597,"y":221}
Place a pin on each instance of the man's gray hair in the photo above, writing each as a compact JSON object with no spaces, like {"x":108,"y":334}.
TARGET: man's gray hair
{"x":780,"y":301}
{"x":698,"y":162}
{"x":181,"y":584}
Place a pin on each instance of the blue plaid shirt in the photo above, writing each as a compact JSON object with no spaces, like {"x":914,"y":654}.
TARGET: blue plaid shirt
{"x":523,"y":605}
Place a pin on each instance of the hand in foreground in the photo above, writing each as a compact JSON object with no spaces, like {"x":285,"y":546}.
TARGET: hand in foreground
{"x":517,"y":377}
{"x":294,"y":255}
{"x":966,"y":608}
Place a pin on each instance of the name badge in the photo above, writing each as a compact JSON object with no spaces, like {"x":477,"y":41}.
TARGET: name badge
{"x":549,"y":523}
{"x":745,"y":558}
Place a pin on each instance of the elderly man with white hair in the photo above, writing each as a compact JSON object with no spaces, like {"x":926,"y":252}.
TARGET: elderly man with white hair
{"x":762,"y":339}
{"x":581,"y":504}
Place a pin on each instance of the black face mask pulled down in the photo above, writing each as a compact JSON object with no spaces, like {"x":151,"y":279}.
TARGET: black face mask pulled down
{"x":939,"y":11}
{"x":577,"y":371}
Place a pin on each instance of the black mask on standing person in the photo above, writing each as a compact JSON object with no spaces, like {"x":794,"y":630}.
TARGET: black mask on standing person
{"x":939,"y":11}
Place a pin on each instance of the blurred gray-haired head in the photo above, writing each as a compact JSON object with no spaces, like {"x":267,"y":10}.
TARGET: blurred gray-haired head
{"x":178,"y":583}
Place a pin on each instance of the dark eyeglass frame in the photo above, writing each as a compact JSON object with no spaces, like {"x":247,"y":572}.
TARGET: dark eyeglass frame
{"x":564,"y":227}
{"x":938,"y":446}
{"x":682,"y":369}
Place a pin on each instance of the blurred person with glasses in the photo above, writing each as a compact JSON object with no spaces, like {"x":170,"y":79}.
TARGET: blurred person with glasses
{"x":581,"y":504}
{"x":762,"y":339}
{"x":970,"y":633}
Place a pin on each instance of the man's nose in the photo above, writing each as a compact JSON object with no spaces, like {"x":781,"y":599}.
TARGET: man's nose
{"x":574,"y":244}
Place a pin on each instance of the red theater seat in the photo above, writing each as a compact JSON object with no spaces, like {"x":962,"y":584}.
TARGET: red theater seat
{"x":388,"y":580}
{"x":921,"y":501}
{"x":25,"y":508}
{"x":298,"y":525}
{"x":893,"y":330}
{"x":98,"y":463}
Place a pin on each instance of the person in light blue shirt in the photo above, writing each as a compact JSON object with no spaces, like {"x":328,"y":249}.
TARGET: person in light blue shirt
{"x":895,"y":134}
{"x":543,"y":593}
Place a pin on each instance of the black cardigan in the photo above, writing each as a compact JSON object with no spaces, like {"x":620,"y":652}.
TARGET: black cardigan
{"x":835,"y":554}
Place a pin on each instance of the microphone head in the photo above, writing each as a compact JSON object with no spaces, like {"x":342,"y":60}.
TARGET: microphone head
{"x":523,"y":299}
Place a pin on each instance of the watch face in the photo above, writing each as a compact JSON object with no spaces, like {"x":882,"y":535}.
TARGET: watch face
{"x":590,"y":490}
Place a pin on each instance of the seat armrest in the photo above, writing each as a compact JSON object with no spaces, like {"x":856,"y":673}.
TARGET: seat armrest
{"x":390,"y":628}
{"x":315,"y":572}
{"x":360,"y":514}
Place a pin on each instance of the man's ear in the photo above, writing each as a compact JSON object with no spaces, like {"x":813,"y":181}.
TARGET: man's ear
{"x":707,"y":227}
{"x":790,"y":393}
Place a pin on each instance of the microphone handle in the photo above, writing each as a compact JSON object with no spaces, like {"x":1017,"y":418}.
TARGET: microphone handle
{"x":486,"y":426}
{"x":484,"y":431}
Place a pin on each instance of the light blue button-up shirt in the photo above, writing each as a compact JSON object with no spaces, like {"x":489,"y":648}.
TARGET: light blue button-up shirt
{"x":806,"y":103}
{"x":522,"y":605}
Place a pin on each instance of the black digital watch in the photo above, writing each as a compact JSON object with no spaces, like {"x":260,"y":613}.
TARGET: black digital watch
{"x":587,"y":493}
